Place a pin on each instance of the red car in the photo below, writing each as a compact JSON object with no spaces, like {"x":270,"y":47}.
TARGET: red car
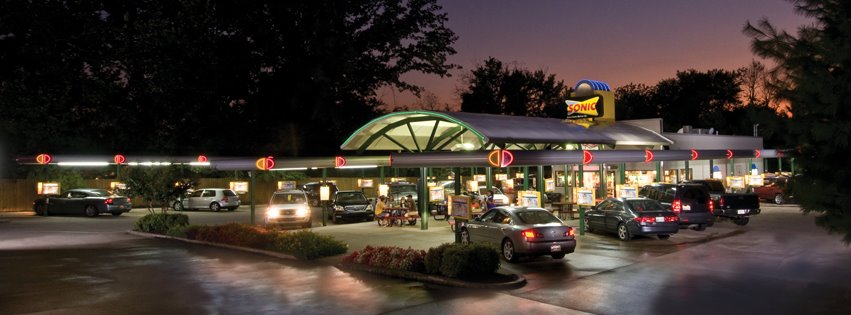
{"x":777,"y":189}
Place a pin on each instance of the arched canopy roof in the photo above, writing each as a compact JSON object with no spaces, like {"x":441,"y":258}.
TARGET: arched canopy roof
{"x":428,"y":131}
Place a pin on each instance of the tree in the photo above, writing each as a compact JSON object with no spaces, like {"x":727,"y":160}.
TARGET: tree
{"x":815,"y":72}
{"x":495,"y":88}
{"x":635,"y":101}
{"x":158,"y":185}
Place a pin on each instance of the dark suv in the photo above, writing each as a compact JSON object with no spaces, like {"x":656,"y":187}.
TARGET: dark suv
{"x":691,"y":202}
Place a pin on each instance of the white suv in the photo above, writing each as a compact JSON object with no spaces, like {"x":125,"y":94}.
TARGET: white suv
{"x":289,"y":207}
{"x":214,"y":199}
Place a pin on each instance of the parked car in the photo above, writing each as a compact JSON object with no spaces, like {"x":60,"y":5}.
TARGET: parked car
{"x":499,"y":198}
{"x":397,"y":191}
{"x":313,"y":189}
{"x":352,"y":205}
{"x":289,"y":207}
{"x":777,"y":189}
{"x":214,"y":199}
{"x":521,"y":231}
{"x":632,"y":216}
{"x":88,"y":201}
{"x":691,"y":202}
{"x":734,"y":206}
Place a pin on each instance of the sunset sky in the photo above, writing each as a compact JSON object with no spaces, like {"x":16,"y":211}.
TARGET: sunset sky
{"x":614,"y":41}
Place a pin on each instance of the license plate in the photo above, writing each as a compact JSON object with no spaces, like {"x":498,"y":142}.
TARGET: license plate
{"x":743,"y":211}
{"x":660,"y":219}
{"x":121,"y":207}
{"x":555,"y":248}
{"x":686,"y":207}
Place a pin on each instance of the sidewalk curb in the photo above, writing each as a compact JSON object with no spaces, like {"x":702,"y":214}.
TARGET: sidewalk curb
{"x":518,"y":281}
{"x":240,"y":248}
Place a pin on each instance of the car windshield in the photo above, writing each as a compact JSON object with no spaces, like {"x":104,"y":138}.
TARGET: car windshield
{"x":351,"y":198}
{"x":645,"y":205}
{"x":536,"y":217}
{"x":99,"y":192}
{"x":287,"y":199}
{"x":402,"y":188}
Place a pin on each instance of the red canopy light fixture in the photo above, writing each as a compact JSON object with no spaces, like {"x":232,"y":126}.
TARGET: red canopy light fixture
{"x":729,"y":154}
{"x":202,"y":159}
{"x":500,"y":158}
{"x":757,"y":154}
{"x":648,"y":155}
{"x":587,"y":157}
{"x":694,"y":154}
{"x":265,"y":163}
{"x":339,"y":161}
{"x":119,"y":159}
{"x":43,"y":159}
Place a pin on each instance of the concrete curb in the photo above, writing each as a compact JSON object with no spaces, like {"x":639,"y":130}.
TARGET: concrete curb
{"x":517,"y":282}
{"x":240,"y":248}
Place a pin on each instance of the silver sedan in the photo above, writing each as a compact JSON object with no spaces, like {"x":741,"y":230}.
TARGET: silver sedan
{"x":521,"y":231}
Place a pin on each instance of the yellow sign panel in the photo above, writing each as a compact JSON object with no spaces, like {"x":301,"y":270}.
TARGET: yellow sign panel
{"x":529,"y":198}
{"x":239,"y":187}
{"x":584,"y":196}
{"x":584,"y":108}
{"x":47,"y":188}
{"x":459,"y":207}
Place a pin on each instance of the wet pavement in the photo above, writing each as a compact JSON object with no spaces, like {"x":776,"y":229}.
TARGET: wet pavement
{"x":779,"y":263}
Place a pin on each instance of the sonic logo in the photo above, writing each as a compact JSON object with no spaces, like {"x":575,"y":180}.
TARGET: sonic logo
{"x":584,"y":108}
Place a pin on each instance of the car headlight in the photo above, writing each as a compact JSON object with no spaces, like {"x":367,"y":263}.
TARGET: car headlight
{"x":273,"y":213}
{"x":339,"y":208}
{"x":302,"y":212}
{"x":369,"y":208}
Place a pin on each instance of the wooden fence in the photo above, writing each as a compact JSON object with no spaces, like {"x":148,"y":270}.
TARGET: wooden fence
{"x":19,"y":194}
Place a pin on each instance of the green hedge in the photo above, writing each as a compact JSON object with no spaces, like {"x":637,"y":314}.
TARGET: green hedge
{"x":307,"y":244}
{"x":389,"y":257}
{"x":451,"y":260}
{"x":161,"y":223}
{"x":469,"y":261}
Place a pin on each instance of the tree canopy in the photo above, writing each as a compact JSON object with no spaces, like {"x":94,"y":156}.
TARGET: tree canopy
{"x":222,"y":77}
{"x":496,"y":88}
{"x":813,"y":73}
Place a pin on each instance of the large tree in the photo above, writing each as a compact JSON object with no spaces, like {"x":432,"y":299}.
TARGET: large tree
{"x":496,"y":88}
{"x":222,"y":77}
{"x":815,"y":68}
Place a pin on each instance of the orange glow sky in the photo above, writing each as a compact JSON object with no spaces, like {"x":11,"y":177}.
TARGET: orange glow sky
{"x":614,"y":41}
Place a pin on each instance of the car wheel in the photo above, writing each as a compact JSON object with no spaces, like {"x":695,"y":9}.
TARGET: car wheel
{"x":39,"y":210}
{"x":308,"y":225}
{"x":91,"y":211}
{"x":558,"y":256}
{"x":741,"y":221}
{"x":700,"y":227}
{"x":215,"y":207}
{"x":508,"y":251}
{"x":587,"y":226}
{"x":623,"y":232}
{"x":465,"y":236}
{"x":117,"y":214}
{"x":778,"y":199}
{"x":177,"y":206}
{"x":663,"y":236}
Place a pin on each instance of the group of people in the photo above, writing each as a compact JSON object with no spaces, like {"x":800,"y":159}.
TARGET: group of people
{"x":408,"y":209}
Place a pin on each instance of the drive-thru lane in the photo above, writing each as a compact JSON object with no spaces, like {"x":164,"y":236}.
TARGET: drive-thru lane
{"x":78,"y":265}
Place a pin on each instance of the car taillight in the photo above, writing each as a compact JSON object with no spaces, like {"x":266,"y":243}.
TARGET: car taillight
{"x":677,"y":205}
{"x":672,"y":219}
{"x":645,"y":219}
{"x":128,"y":200}
{"x":531,"y":234}
{"x":225,"y":199}
{"x":570,"y":232}
{"x":721,"y":203}
{"x":712,"y":207}
{"x":108,"y":201}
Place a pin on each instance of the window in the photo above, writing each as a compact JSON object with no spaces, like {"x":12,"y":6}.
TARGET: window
{"x":489,"y":216}
{"x":501,"y":218}
{"x":536,"y":217}
{"x":279,"y":199}
{"x":229,"y":193}
{"x":209,"y":193}
{"x":196,"y":193}
{"x":78,"y":194}
{"x":645,"y":205}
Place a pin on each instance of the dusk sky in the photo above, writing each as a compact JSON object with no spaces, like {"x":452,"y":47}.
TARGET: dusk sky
{"x":614,"y":41}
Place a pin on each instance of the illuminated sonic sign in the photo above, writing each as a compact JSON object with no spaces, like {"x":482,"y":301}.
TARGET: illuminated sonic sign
{"x":587,"y":107}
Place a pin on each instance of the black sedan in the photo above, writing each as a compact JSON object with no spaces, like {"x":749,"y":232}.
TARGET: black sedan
{"x":521,"y":231}
{"x":88,"y":201}
{"x":632,"y":216}
{"x":352,"y":205}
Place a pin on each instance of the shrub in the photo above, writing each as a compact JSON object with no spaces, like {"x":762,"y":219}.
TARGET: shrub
{"x":187,"y":231}
{"x":307,"y":244}
{"x":434,"y":258}
{"x":161,"y":222}
{"x":390,"y":258}
{"x":235,"y":234}
{"x":469,"y":261}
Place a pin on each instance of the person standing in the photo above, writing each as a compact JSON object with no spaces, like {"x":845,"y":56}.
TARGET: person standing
{"x":412,"y":212}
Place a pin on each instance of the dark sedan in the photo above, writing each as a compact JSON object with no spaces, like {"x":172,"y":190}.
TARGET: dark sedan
{"x":521,"y":231}
{"x":632,"y":216}
{"x":352,"y":205}
{"x":88,"y":201}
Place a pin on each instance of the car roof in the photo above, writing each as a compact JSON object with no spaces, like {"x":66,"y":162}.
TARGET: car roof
{"x":519,"y":208}
{"x":349,"y":191}
{"x":289,"y":191}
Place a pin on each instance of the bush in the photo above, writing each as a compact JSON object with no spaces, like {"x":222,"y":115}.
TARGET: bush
{"x":161,"y":223}
{"x":434,"y":258}
{"x":469,"y":261}
{"x":389,"y":258}
{"x":307,"y":244}
{"x":188,"y":231}
{"x":235,"y":234}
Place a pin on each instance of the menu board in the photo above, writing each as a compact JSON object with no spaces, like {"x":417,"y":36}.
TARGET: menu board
{"x":756,"y":180}
{"x":735,"y":182}
{"x":584,"y":196}
{"x":459,"y":207}
{"x":47,"y":188}
{"x":239,"y":187}
{"x":480,"y":178}
{"x":627,"y":191}
{"x":549,"y":185}
{"x":286,"y":185}
{"x":365,"y":183}
{"x":529,"y":198}
{"x":436,"y":194}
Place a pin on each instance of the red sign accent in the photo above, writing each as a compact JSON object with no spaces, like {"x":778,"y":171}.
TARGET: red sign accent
{"x":43,"y":158}
{"x":119,"y":159}
{"x":500,"y":158}
{"x":729,"y":154}
{"x":757,"y":154}
{"x":507,"y":158}
{"x":265,"y":163}
{"x":339,"y":161}
{"x":587,"y":157}
{"x":648,"y":156}
{"x":694,"y":154}
{"x":202,"y":159}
